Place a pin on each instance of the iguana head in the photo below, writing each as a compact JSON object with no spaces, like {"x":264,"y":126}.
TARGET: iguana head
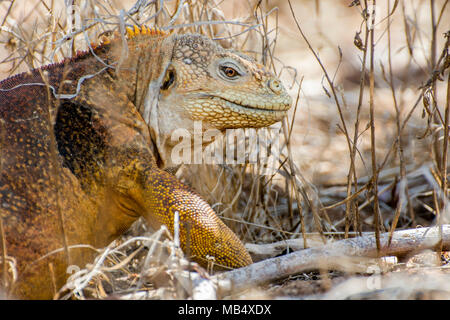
{"x":196,"y":80}
{"x":222,"y":88}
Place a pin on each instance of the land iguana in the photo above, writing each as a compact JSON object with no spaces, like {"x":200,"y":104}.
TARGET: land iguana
{"x":85,"y":150}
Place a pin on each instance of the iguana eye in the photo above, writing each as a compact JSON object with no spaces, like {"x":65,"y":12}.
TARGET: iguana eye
{"x":229,"y":72}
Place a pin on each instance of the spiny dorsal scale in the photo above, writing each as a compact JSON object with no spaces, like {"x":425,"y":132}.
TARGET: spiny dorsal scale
{"x":144,"y":30}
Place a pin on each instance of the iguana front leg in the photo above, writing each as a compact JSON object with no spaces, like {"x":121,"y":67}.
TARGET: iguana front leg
{"x":161,"y":196}
{"x":140,"y":188}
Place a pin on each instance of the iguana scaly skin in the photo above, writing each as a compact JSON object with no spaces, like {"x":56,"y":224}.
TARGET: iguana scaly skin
{"x":84,"y":144}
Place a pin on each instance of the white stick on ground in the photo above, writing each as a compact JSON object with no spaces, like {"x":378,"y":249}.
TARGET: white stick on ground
{"x":332,"y":256}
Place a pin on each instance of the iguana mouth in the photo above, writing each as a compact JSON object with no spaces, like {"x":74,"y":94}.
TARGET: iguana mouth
{"x":281,"y":108}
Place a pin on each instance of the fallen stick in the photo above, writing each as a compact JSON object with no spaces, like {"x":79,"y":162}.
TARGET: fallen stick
{"x":333,"y":255}
{"x":269,"y":250}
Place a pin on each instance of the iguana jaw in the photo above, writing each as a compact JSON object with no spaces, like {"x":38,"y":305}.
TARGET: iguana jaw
{"x":225,"y":114}
{"x":213,"y":112}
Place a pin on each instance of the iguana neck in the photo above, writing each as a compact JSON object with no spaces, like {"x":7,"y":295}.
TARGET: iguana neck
{"x":142,"y":72}
{"x":141,"y":66}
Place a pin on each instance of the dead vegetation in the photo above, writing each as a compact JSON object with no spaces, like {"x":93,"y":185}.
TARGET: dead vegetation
{"x":364,"y":150}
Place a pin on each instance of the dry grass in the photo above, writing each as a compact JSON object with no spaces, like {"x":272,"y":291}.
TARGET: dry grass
{"x":365,"y":148}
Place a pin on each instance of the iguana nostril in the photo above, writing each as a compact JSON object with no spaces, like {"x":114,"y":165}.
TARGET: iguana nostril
{"x":275,"y":85}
